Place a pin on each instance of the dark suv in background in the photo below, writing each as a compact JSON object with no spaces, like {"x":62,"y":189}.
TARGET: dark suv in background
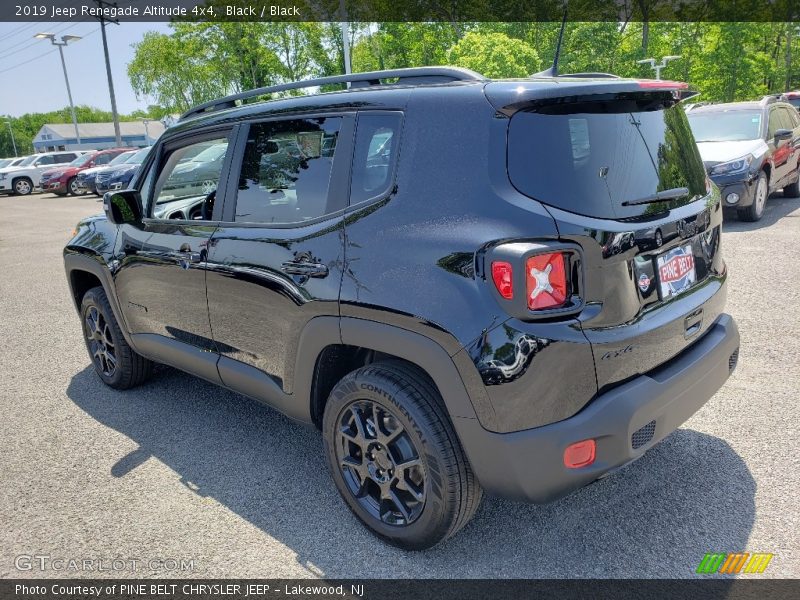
{"x":750,"y":149}
{"x":458,"y":280}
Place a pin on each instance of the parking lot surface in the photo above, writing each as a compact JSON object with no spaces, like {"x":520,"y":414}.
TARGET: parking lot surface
{"x":180,"y":470}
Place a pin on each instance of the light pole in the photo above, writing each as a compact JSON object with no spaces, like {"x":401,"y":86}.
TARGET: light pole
{"x":65,"y":39}
{"x":13,"y":141}
{"x":654,"y":66}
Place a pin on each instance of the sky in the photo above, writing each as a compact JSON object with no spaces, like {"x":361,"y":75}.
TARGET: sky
{"x":33,"y":80}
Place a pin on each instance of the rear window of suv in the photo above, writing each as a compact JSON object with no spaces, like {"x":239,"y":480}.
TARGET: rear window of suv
{"x":605,"y":158}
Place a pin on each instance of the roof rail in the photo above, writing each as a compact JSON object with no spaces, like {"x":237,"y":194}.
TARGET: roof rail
{"x":770,"y":98}
{"x":414,"y":76}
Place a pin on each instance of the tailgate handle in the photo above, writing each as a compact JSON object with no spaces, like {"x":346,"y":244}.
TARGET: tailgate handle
{"x":693,"y":323}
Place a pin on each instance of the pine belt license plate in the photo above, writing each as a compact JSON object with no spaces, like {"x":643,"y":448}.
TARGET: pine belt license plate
{"x":676,"y":271}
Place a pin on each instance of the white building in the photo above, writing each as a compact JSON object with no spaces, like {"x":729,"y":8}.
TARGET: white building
{"x":96,"y":136}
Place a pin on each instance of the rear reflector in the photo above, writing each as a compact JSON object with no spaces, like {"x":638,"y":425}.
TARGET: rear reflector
{"x":579,"y":454}
{"x":502,"y":273}
{"x":546,"y":281}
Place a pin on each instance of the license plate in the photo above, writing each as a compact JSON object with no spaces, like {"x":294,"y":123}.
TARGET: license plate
{"x":676,"y":270}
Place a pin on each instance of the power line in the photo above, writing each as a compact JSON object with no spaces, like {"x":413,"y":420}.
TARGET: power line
{"x":35,"y":22}
{"x":30,"y":44}
{"x":30,"y":60}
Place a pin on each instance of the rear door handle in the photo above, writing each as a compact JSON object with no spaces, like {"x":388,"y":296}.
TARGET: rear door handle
{"x":304,"y":269}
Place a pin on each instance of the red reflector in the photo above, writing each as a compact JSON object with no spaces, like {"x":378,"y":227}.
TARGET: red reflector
{"x":502,"y":276}
{"x":664,"y":84}
{"x":546,"y":281}
{"x":579,"y":454}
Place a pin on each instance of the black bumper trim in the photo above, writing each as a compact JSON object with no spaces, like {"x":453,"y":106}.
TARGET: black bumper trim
{"x":528,"y":465}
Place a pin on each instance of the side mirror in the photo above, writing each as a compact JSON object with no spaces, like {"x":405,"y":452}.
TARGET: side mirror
{"x":782,"y":134}
{"x":123,"y":207}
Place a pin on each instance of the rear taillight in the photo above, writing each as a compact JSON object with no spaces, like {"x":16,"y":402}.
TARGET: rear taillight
{"x":502,"y":275}
{"x":535,"y":280}
{"x":546,"y":281}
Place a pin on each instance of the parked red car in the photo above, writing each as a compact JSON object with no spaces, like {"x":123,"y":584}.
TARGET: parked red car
{"x":61,"y":180}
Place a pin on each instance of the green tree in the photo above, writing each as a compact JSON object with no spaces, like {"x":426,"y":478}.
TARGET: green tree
{"x":495,"y":55}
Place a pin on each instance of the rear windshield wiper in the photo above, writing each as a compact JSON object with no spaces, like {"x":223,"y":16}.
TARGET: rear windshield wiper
{"x":661,"y":196}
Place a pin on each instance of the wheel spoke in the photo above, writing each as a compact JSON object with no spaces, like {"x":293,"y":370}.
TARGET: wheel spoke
{"x":398,"y":502}
{"x":360,"y":422}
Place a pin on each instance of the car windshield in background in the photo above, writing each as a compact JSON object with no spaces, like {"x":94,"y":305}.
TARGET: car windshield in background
{"x":726,"y":126}
{"x":210,"y":154}
{"x":28,"y":161}
{"x":138,"y":157}
{"x":605,"y":160}
{"x":81,"y":160}
{"x":122,"y":158}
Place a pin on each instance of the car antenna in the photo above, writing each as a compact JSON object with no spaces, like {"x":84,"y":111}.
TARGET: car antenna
{"x":553,"y":70}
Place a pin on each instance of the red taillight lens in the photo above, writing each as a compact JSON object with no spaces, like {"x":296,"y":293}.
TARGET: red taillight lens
{"x":546,"y":281}
{"x":502,"y":276}
{"x":579,"y":454}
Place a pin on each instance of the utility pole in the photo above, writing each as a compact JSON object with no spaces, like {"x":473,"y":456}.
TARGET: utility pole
{"x":345,"y":38}
{"x":102,"y":19}
{"x":654,"y":66}
{"x":13,"y":141}
{"x":65,"y":39}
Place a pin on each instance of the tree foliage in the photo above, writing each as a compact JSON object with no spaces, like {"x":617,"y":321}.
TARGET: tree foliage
{"x":494,"y":55}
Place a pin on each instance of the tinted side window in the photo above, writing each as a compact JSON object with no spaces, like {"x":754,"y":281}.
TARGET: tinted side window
{"x":774,"y":123}
{"x":103,"y":159}
{"x":187,"y":179}
{"x":45,"y":160}
{"x":65,"y":158}
{"x":789,"y":117}
{"x":286,"y":171}
{"x":377,"y":141}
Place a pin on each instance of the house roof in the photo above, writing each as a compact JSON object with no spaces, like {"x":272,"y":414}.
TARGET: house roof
{"x":96,"y":130}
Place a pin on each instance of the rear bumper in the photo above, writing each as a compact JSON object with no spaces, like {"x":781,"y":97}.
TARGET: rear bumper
{"x":528,"y":465}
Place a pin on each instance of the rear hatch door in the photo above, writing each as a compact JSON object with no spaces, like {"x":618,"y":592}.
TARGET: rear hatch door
{"x":617,"y":167}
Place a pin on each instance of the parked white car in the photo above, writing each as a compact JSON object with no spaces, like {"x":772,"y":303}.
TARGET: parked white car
{"x":11,"y":162}
{"x":24,"y":178}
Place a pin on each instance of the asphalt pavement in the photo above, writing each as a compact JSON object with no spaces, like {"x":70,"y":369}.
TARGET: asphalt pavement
{"x":182,"y":478}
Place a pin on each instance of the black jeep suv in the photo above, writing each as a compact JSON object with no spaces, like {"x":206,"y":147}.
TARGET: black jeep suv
{"x":463,"y":283}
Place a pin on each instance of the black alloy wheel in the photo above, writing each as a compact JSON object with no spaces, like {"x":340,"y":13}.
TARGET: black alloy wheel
{"x":380,"y":464}
{"x":100,"y":341}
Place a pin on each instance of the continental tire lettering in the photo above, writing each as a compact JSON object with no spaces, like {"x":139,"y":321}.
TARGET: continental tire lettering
{"x":376,"y":390}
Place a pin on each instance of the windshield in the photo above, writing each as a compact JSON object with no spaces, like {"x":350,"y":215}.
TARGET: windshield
{"x":81,"y":160}
{"x":28,"y":160}
{"x":138,"y":157}
{"x":122,"y":158}
{"x":726,"y":126}
{"x":5,"y":162}
{"x":594,"y":158}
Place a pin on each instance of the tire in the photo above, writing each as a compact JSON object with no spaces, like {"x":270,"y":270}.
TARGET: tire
{"x":437,"y":489}
{"x":60,"y":193}
{"x":72,"y":186}
{"x":22,"y":186}
{"x":792,"y":190}
{"x":755,"y":211}
{"x":103,"y":337}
